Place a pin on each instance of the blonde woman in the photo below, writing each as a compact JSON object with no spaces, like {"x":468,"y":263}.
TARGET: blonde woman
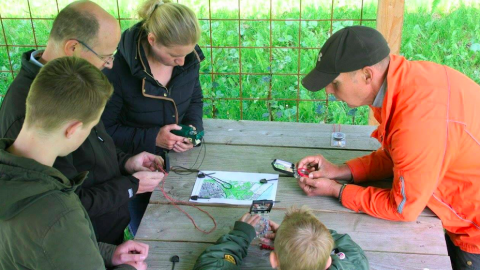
{"x":156,"y":80}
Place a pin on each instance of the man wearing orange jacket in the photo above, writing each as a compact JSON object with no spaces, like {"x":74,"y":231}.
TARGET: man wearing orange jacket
{"x":429,"y":131}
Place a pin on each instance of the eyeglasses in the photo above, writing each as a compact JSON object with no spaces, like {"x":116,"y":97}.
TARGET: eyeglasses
{"x":108,"y":59}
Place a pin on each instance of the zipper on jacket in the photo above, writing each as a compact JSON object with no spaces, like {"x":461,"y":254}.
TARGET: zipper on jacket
{"x":404,"y":199}
{"x":98,"y":136}
{"x":159,"y":84}
{"x":143,"y":64}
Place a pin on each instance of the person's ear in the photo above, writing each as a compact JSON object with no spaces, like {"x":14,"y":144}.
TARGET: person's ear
{"x":273,"y":260}
{"x":329,"y":263}
{"x":72,"y":128}
{"x":71,"y":48}
{"x":151,"y":39}
{"x":367,"y":75}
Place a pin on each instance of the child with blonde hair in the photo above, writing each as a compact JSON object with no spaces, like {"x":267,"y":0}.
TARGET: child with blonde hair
{"x":301,"y":242}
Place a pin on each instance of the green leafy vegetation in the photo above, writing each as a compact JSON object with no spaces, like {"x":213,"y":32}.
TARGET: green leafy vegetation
{"x":269,"y":87}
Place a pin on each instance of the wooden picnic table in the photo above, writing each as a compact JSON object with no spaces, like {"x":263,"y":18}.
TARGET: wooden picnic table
{"x":250,"y":146}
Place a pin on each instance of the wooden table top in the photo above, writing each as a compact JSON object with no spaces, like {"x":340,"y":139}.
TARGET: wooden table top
{"x":250,"y":146}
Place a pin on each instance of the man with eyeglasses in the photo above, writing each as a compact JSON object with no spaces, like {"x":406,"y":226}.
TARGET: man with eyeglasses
{"x":83,"y":29}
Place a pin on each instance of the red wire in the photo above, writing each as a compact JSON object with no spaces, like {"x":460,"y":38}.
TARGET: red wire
{"x":264,"y":246}
{"x":172,"y":200}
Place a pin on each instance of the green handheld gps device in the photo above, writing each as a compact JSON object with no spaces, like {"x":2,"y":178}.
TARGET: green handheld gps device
{"x":190,"y":133}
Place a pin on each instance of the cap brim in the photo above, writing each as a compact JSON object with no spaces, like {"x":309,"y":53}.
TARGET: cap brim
{"x":316,"y":80}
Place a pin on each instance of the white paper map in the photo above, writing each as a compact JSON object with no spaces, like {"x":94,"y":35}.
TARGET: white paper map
{"x":234,"y":187}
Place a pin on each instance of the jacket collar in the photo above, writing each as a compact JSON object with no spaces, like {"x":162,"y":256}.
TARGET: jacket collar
{"x":396,"y":69}
{"x":35,"y":167}
{"x":30,"y":68}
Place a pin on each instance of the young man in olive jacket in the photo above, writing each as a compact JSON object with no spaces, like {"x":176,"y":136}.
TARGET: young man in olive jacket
{"x":43,"y":224}
{"x":85,"y":30}
{"x":301,"y":242}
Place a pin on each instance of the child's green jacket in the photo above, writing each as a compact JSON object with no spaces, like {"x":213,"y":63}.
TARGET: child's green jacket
{"x":231,"y":248}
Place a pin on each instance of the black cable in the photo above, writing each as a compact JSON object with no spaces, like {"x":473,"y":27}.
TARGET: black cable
{"x":174,"y":259}
{"x":224,"y":184}
{"x":180,"y":170}
{"x":202,"y":147}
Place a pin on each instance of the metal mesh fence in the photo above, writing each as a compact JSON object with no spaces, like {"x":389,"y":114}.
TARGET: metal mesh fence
{"x":257,"y":51}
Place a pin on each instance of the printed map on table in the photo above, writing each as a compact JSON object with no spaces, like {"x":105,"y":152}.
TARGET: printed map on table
{"x":234,"y":187}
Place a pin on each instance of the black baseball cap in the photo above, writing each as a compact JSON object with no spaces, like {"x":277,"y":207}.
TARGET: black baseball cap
{"x":349,"y":49}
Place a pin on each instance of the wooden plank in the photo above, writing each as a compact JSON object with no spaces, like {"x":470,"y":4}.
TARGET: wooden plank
{"x":161,"y":252}
{"x":394,"y":261}
{"x":424,"y":236}
{"x":304,"y":135}
{"x":241,"y":158}
{"x":254,"y":158}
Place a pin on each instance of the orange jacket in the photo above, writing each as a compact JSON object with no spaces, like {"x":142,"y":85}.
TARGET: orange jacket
{"x":430,"y":136}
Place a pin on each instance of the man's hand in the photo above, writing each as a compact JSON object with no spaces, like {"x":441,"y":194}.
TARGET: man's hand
{"x":130,"y":252}
{"x":319,"y":187}
{"x":148,"y":181}
{"x":320,"y":167}
{"x":250,"y":219}
{"x":167,"y":139}
{"x":274,"y":228}
{"x":143,"y":162}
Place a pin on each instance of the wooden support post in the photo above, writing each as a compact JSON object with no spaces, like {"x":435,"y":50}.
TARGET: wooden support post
{"x":390,"y":24}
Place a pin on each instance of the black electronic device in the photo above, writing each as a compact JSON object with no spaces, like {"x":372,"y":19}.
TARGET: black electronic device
{"x":284,"y":167}
{"x":262,"y":208}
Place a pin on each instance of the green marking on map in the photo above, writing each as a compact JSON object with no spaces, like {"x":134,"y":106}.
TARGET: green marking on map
{"x":241,"y":190}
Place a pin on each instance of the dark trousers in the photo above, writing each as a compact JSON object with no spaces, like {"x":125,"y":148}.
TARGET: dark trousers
{"x":460,"y":259}
{"x":137,"y":208}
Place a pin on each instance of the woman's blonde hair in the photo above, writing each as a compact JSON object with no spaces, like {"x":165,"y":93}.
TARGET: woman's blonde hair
{"x":171,"y":23}
{"x":302,"y":241}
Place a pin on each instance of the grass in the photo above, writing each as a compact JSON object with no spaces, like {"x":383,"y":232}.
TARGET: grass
{"x":442,"y":31}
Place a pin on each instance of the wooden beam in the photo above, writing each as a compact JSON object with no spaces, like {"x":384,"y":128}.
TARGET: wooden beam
{"x":163,"y":222}
{"x":160,"y":253}
{"x":303,"y":135}
{"x":390,"y":24}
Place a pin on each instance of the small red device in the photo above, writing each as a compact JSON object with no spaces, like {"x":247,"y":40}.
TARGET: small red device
{"x":303,"y":172}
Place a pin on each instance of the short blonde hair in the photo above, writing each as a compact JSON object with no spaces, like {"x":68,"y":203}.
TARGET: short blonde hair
{"x":66,"y":89}
{"x":171,"y":23}
{"x":302,"y":241}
